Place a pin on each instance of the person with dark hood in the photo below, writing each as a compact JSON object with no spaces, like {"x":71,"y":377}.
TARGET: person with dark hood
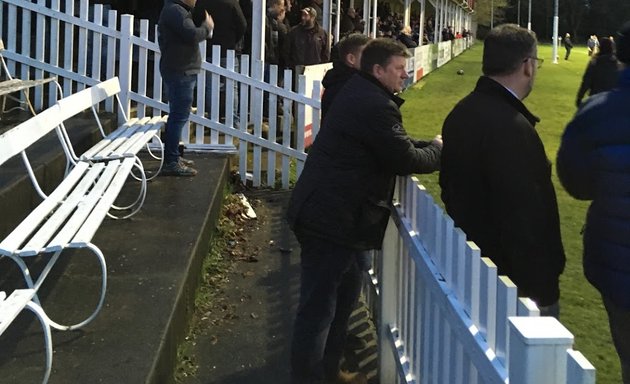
{"x":349,"y":63}
{"x":593,"y":164}
{"x":602,"y":71}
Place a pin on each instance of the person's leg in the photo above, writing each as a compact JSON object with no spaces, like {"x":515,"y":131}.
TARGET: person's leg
{"x":180,"y":97}
{"x":619,"y":320}
{"x":552,"y":310}
{"x":323,"y":266}
{"x":347,"y":296}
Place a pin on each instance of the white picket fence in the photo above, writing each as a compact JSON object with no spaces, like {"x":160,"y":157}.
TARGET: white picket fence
{"x":82,"y":44}
{"x":444,"y":316}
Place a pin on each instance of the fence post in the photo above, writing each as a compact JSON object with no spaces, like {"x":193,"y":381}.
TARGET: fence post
{"x":387,"y":302}
{"x":538,"y":350}
{"x":126,"y":60}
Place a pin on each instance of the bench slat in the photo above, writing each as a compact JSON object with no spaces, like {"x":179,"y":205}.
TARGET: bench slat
{"x":61,"y":214}
{"x":15,"y":85}
{"x":82,"y":100}
{"x":104,"y":143}
{"x":112,"y":148}
{"x":17,"y":139}
{"x":86,"y":233}
{"x":11,"y":306}
{"x":12,"y":243}
{"x":140,"y":138}
{"x":82,"y":217}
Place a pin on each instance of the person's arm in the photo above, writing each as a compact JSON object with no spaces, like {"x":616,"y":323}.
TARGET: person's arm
{"x":396,"y":151}
{"x":325,"y":52}
{"x":182,"y":24}
{"x":575,"y":162}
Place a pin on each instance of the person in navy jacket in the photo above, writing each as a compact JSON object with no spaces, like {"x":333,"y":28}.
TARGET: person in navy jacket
{"x":594,"y":164}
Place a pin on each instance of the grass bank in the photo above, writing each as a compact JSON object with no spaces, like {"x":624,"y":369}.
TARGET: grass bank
{"x":553,"y":100}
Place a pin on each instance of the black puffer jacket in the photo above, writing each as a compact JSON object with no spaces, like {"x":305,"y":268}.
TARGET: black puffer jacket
{"x":333,"y":81}
{"x":229,"y":24}
{"x":345,"y":190}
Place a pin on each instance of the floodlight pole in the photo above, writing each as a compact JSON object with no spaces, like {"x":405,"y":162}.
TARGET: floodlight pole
{"x":492,"y":14}
{"x":529,"y":16}
{"x":518,"y":13}
{"x":555,"y":32}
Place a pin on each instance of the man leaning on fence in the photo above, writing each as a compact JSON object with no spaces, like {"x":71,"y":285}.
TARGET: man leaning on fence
{"x":495,"y":176}
{"x":593,"y":164}
{"x":180,"y":63}
{"x":341,"y":205}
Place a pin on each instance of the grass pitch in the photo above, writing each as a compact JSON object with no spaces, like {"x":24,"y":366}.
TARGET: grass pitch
{"x":553,"y":100}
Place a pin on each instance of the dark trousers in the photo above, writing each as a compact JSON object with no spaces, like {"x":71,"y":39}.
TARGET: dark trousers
{"x":619,"y":320}
{"x":180,"y":89}
{"x":330,"y":287}
{"x":568,"y":52}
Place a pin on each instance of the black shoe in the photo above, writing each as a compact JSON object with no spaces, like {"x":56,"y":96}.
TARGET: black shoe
{"x":177,"y":169}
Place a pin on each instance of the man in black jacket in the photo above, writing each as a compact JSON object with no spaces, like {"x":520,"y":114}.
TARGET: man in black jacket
{"x":341,"y":205}
{"x":348,"y":63}
{"x":179,"y":39}
{"x":495,"y":176}
{"x":228,"y":32}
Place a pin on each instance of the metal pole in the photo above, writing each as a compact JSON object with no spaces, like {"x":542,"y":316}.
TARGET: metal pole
{"x":529,"y":16}
{"x":492,"y":14}
{"x":518,"y":14}
{"x":555,"y":32}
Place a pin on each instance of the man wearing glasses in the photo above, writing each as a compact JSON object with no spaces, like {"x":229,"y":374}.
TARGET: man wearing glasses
{"x":495,"y":175}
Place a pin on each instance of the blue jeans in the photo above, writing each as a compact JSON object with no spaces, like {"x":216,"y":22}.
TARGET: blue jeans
{"x":619,"y":320}
{"x":331,"y":284}
{"x":180,"y":89}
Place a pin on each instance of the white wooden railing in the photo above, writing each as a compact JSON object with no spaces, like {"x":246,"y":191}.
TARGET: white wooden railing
{"x":444,"y":316}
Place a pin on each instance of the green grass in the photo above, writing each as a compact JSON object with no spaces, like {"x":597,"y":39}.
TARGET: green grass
{"x":553,"y":100}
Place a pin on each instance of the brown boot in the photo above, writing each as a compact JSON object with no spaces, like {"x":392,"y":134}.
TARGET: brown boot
{"x":344,"y":377}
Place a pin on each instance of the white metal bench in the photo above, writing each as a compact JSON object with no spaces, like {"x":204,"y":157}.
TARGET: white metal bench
{"x":10,"y":308}
{"x":125,"y":142}
{"x":12,"y":85}
{"x":70,"y":215}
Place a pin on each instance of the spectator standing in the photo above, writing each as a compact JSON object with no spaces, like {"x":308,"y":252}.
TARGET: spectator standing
{"x":568,"y":45}
{"x":228,"y":32}
{"x":341,"y":204}
{"x":593,"y":165}
{"x":308,"y":42}
{"x":495,"y":176}
{"x":276,"y":34}
{"x":348,"y":64}
{"x":602,"y":72}
{"x":179,"y":38}
{"x":590,"y":45}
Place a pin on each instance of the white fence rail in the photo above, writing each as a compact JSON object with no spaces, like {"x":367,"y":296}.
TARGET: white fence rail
{"x":445,"y":316}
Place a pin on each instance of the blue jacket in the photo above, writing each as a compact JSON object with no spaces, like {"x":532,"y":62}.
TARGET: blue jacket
{"x":179,"y":40}
{"x":594,"y":164}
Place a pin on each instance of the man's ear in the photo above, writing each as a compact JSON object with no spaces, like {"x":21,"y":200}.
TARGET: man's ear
{"x":351,"y":59}
{"x":528,"y":67}
{"x":377,"y":71}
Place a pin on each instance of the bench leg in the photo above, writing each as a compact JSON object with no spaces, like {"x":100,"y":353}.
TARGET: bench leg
{"x":40,"y":279}
{"x":41,"y":316}
{"x":139,"y":202}
{"x":160,"y":157}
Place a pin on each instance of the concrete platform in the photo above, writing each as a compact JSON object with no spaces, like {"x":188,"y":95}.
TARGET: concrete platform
{"x":153,"y":265}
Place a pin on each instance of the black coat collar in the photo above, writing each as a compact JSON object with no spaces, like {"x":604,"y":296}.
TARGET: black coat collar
{"x":399,"y":101}
{"x":488,"y":86}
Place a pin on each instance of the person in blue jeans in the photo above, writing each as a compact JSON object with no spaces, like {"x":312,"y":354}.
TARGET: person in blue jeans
{"x":179,"y":38}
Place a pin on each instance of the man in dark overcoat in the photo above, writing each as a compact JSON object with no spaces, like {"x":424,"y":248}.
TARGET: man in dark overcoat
{"x":495,"y":176}
{"x":341,"y":205}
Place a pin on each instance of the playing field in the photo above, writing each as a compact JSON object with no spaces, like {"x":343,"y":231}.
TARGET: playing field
{"x":553,"y":100}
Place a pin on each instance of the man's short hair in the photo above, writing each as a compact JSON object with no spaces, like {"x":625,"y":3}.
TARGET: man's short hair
{"x":351,"y":44}
{"x":379,"y":51}
{"x":505,"y":48}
